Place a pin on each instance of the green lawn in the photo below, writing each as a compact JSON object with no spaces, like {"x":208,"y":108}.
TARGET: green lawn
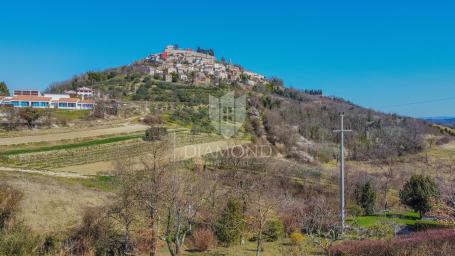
{"x":70,"y":115}
{"x":103,"y":183}
{"x":405,"y":219}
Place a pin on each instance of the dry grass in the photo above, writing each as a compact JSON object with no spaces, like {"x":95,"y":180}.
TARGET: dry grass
{"x":51,"y":204}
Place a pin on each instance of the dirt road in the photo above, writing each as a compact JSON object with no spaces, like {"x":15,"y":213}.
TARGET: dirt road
{"x":127,"y":128}
{"x":46,"y":173}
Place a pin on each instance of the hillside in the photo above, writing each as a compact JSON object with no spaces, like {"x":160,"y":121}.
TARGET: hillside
{"x":169,"y":80}
{"x":208,"y":192}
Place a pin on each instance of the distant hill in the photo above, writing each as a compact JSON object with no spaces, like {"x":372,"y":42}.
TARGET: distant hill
{"x":299,"y":123}
{"x":443,"y":120}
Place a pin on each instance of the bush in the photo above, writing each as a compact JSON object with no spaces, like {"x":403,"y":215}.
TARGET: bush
{"x":19,"y":240}
{"x":434,"y":242}
{"x":230,"y":225}
{"x":9,"y":203}
{"x":365,"y":195}
{"x":95,"y":235}
{"x":418,"y":192}
{"x":274,"y":230}
{"x":382,"y":229}
{"x":152,"y":119}
{"x":203,"y":239}
{"x":354,"y":210}
{"x":297,"y":238}
{"x":155,"y":133}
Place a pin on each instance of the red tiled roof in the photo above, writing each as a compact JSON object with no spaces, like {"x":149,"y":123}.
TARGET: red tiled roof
{"x":30,"y":98}
{"x":69,"y":100}
{"x":87,"y":101}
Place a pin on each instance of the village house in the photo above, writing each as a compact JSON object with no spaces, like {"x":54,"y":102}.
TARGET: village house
{"x":85,"y":92}
{"x":34,"y":99}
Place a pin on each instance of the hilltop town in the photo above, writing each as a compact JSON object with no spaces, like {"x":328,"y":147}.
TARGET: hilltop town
{"x":199,"y":67}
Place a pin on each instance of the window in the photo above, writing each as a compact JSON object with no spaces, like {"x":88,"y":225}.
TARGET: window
{"x":62,"y":105}
{"x":24,"y":103}
{"x":35,"y":104}
{"x":227,"y":114}
{"x":71,"y":105}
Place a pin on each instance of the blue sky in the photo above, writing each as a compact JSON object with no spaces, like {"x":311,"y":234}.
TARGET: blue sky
{"x":379,"y":54}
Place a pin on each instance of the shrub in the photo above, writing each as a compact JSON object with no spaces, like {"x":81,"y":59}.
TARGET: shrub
{"x":95,"y":235}
{"x":9,"y":203}
{"x":155,"y":133}
{"x":365,"y":195}
{"x":230,"y":225}
{"x":417,"y":193}
{"x":434,"y":242}
{"x":30,"y":115}
{"x":274,"y":230}
{"x":297,"y":238}
{"x":19,"y":240}
{"x":152,"y":119}
{"x":382,"y":229}
{"x":354,"y":210}
{"x":203,"y":239}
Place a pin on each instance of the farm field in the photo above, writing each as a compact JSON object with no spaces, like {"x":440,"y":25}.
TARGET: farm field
{"x":56,"y":136}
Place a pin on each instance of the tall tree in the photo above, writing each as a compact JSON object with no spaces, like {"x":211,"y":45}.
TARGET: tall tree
{"x":3,"y":89}
{"x":417,"y":193}
{"x":186,"y":195}
{"x":124,"y":205}
{"x":231,"y":223}
{"x":365,"y":195}
{"x":153,"y":186}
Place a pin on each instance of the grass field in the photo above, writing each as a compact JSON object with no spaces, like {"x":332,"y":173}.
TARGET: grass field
{"x":87,"y":143}
{"x":70,"y":115}
{"x":408,"y":219}
{"x":54,"y":204}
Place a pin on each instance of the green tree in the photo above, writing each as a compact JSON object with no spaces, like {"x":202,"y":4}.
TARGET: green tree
{"x":230,"y":225}
{"x":365,"y":196}
{"x":4,"y":89}
{"x":30,"y":115}
{"x":155,"y":133}
{"x":417,"y":193}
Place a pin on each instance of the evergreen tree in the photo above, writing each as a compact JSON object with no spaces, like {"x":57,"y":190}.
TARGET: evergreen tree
{"x":365,"y":195}
{"x":417,"y":192}
{"x":3,"y":89}
{"x":230,"y":225}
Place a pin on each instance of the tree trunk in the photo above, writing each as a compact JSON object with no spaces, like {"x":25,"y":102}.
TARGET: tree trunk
{"x":258,"y":248}
{"x":153,"y":242}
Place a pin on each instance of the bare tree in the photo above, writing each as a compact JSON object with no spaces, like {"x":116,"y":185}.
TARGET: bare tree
{"x":124,"y":207}
{"x":186,"y":196}
{"x":153,"y":186}
{"x":262,"y":206}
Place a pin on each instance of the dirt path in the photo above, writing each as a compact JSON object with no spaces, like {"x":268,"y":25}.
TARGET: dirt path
{"x":46,"y":173}
{"x":127,"y":128}
{"x":449,"y":146}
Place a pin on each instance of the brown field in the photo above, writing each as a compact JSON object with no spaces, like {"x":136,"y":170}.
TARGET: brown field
{"x":58,"y":136}
{"x":52,"y":204}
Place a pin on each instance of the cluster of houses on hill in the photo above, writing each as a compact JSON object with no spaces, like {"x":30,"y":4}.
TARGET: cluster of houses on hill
{"x":81,"y":99}
{"x":197,"y":67}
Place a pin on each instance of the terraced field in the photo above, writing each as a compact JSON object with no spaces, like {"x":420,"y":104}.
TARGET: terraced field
{"x":92,"y":151}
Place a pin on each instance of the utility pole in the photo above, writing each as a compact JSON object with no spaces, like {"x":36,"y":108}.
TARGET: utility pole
{"x":342,"y":203}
